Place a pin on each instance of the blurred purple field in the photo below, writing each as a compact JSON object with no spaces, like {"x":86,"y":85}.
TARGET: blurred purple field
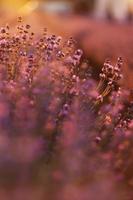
{"x":66,"y":106}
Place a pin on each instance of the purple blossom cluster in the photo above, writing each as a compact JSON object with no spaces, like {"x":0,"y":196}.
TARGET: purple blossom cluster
{"x":55,"y":119}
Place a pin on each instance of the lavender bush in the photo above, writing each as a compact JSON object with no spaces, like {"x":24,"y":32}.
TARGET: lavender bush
{"x":58,"y":127}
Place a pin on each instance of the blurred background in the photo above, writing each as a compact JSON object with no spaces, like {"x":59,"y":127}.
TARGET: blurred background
{"x":103,"y":28}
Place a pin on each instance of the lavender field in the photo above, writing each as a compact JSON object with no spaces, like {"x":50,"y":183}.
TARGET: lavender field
{"x":64,"y":135}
